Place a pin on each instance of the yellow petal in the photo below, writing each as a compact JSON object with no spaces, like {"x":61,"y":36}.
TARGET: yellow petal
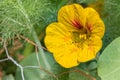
{"x":58,"y":41}
{"x":56,"y":33}
{"x":94,"y":22}
{"x":66,"y":56}
{"x":69,"y":14}
{"x":91,"y":48}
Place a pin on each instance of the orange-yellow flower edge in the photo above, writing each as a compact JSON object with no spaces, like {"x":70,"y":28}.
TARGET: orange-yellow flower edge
{"x":76,"y":37}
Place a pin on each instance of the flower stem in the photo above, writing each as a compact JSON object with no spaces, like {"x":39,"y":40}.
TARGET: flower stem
{"x":41,"y":51}
{"x":84,"y":74}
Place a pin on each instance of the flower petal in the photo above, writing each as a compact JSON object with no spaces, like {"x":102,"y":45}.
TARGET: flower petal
{"x":66,"y":56}
{"x":91,"y":48}
{"x":58,"y":41}
{"x":69,"y":14}
{"x":94,"y":22}
{"x":55,"y":34}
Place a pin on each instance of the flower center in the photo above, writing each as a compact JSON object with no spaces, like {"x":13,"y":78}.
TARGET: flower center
{"x":80,"y":36}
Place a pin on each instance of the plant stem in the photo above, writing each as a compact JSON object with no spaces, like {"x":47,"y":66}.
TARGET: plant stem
{"x":43,"y":56}
{"x":35,"y":37}
{"x":79,"y":71}
{"x":28,"y":49}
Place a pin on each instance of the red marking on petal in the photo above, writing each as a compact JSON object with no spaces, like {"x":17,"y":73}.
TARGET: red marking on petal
{"x":77,"y":24}
{"x":89,"y":26}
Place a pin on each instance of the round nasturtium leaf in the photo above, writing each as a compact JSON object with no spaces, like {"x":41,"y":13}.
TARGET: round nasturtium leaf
{"x":35,"y":73}
{"x":109,"y":62}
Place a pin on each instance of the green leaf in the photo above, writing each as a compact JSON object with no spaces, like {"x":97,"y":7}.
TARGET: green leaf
{"x":85,"y":71}
{"x":34,"y":73}
{"x":8,"y":77}
{"x":109,"y":62}
{"x":77,"y":76}
{"x":40,"y":73}
{"x":111,"y":17}
{"x":92,"y":65}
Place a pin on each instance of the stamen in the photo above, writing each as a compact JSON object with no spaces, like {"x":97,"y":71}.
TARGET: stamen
{"x":83,"y":36}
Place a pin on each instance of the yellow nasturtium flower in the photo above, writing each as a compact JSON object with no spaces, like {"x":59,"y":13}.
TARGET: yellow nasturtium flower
{"x":76,"y":37}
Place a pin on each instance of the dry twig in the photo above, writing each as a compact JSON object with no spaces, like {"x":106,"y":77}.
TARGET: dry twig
{"x":31,"y":42}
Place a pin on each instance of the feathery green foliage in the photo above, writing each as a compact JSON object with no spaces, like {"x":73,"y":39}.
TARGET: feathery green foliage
{"x":19,"y":16}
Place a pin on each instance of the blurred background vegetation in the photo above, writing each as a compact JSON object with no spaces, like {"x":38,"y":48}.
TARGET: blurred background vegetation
{"x":22,"y":21}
